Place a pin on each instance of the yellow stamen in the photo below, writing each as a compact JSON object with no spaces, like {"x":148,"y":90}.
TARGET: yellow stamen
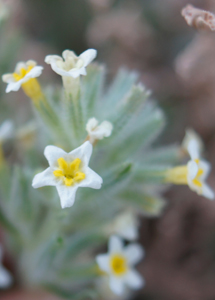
{"x":31,"y":87}
{"x":177,"y":175}
{"x":70,"y":173}
{"x":118,"y":264}
{"x":196,"y":180}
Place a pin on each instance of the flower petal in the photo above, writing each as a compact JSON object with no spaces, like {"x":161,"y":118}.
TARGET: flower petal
{"x":207,"y":192}
{"x":76,"y":72}
{"x":67,"y":195}
{"x":8,"y":78}
{"x":49,"y":59}
{"x":88,"y":56}
{"x":104,"y":262}
{"x":117,"y":285}
{"x":92,"y":179}
{"x":44,"y":178}
{"x":83,"y":152}
{"x":52,"y":153}
{"x":193,"y":149}
{"x":115,"y":245}
{"x":13,"y":86}
{"x":134,"y":280}
{"x":91,"y":124}
{"x":192,"y":169}
{"x":206,"y":167}
{"x":134,"y":253}
{"x":35,"y":72}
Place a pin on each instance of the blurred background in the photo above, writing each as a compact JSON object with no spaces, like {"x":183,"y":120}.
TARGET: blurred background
{"x":178,"y":64}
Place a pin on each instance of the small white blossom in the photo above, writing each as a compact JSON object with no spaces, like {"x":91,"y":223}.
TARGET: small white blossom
{"x":194,"y":173}
{"x":118,"y":264}
{"x":68,"y":172}
{"x":125,"y":225}
{"x":24,"y":71}
{"x":98,"y":132}
{"x":6,"y":130}
{"x":5,"y":277}
{"x":71,"y":65}
{"x":198,"y":171}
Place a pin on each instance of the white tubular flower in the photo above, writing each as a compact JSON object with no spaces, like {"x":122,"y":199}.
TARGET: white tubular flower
{"x":118,"y":264}
{"x":98,"y":132}
{"x":5,"y":277}
{"x":68,"y":172}
{"x":22,"y":74}
{"x":125,"y":225}
{"x":192,"y":135}
{"x":198,"y":171}
{"x":6,"y":130}
{"x":194,"y":174}
{"x":71,"y":65}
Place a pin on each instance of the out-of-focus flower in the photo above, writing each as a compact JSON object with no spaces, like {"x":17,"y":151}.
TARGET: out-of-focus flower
{"x":125,"y":225}
{"x":68,"y":172}
{"x":118,"y":264}
{"x":6,"y":130}
{"x":70,"y":67}
{"x":5,"y":277}
{"x":98,"y":132}
{"x":194,"y":173}
{"x":198,"y":18}
{"x":25,"y":76}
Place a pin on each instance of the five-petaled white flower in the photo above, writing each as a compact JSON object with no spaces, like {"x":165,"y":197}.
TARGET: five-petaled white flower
{"x":5,"y":277}
{"x":24,"y":72}
{"x":194,"y":174}
{"x":118,"y":264}
{"x":68,"y":172}
{"x":6,"y":130}
{"x":98,"y":132}
{"x":125,"y":225}
{"x":71,"y":65}
{"x":198,"y":171}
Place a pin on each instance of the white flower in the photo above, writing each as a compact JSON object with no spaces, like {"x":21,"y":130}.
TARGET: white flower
{"x":98,"y":132}
{"x":22,"y":74}
{"x":71,"y":65}
{"x":192,"y":135}
{"x":5,"y":277}
{"x":198,"y":171}
{"x":194,"y":174}
{"x":68,"y":172}
{"x":125,"y":225}
{"x":118,"y":264}
{"x":6,"y":130}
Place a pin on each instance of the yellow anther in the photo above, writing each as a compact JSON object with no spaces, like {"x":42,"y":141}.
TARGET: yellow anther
{"x":70,"y":173}
{"x":118,"y":264}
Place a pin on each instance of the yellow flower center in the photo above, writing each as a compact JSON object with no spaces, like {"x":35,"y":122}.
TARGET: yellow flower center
{"x":22,"y":73}
{"x":31,"y":87}
{"x":196,"y":180}
{"x":70,"y":173}
{"x":118,"y":264}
